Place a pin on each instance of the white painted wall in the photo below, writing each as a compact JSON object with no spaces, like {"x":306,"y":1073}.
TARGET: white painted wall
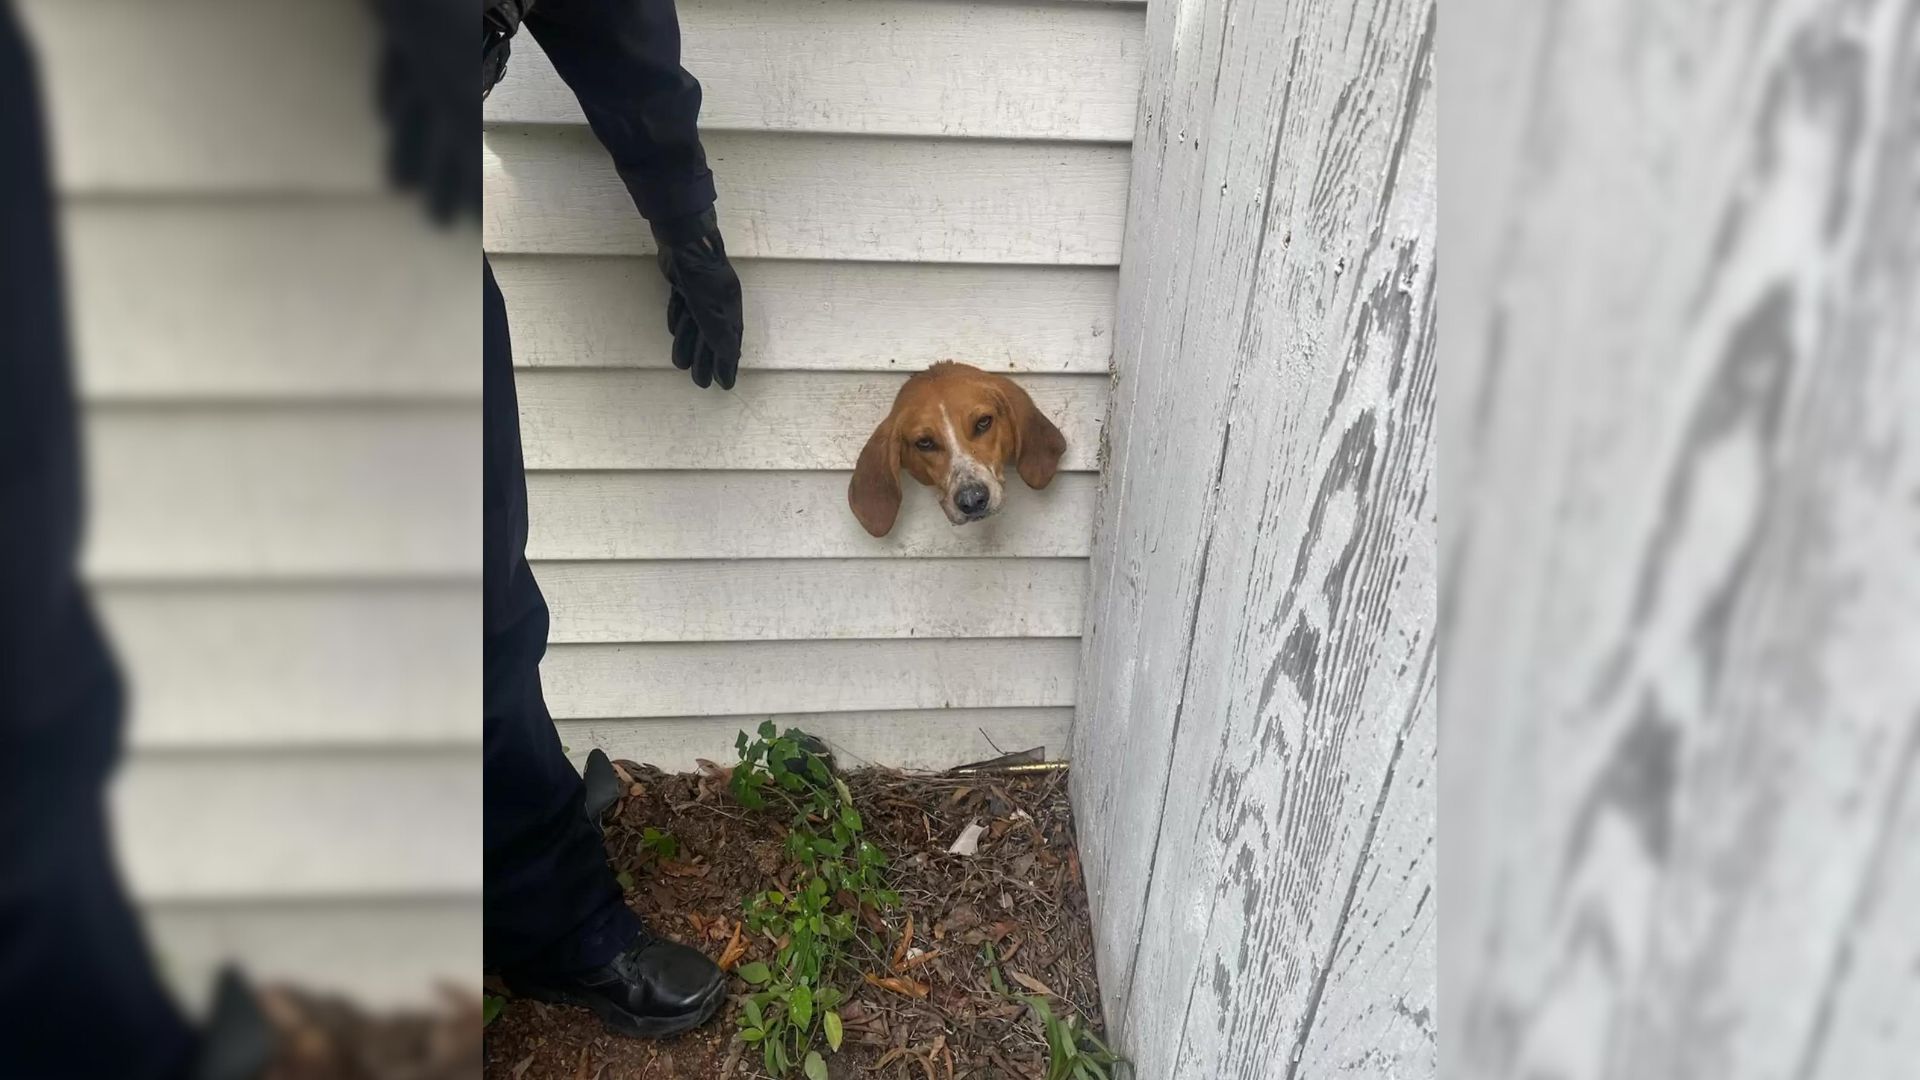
{"x":1254,"y":740}
{"x":901,"y":182}
{"x":273,"y":405}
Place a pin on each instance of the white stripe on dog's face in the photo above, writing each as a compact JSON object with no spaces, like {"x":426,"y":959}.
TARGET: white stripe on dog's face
{"x":964,"y":470}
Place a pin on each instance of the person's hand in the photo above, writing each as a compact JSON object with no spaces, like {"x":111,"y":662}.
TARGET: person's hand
{"x":426,"y":96}
{"x":704,"y":310}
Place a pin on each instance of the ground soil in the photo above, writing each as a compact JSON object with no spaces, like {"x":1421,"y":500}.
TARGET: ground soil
{"x":1021,"y":895}
{"x":321,"y":1037}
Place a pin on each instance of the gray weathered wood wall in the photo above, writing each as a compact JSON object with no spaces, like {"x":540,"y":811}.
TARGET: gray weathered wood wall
{"x":1255,"y":725}
{"x":1681,"y":620}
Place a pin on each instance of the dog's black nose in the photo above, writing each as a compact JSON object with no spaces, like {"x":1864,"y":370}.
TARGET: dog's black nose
{"x":971,"y":499}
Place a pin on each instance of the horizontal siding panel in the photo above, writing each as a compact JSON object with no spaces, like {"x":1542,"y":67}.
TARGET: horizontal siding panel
{"x":264,"y":665}
{"x":573,"y":420}
{"x":283,"y":491}
{"x":706,"y":679}
{"x":747,"y":515}
{"x":378,"y":953}
{"x":789,"y":599}
{"x":226,"y":825}
{"x":583,"y":311}
{"x":554,"y":191}
{"x":181,"y":300}
{"x":886,"y":67}
{"x":910,"y":739}
{"x":209,"y":95}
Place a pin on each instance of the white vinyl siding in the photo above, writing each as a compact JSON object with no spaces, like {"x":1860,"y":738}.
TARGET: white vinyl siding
{"x":272,"y":405}
{"x":900,"y":182}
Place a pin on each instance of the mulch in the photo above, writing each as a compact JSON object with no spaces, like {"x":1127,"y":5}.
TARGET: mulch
{"x":325,"y":1037}
{"x":1019,"y":899}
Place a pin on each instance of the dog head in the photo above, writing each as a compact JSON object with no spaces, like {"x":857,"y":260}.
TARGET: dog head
{"x":955,"y":429}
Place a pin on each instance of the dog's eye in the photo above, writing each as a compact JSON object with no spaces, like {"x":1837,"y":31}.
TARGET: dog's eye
{"x":981,"y":425}
{"x":924,"y":443}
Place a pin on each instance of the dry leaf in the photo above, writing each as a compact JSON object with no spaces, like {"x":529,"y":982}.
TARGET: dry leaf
{"x":915,"y":961}
{"x":906,"y":940}
{"x":1033,"y":984}
{"x":735,"y":950}
{"x":912,"y":988}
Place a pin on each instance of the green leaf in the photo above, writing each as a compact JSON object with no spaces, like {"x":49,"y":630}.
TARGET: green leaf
{"x":816,"y":1067}
{"x":752,"y":1035}
{"x":490,"y":1007}
{"x":846,"y":793}
{"x":800,"y":1006}
{"x":756,"y":1016}
{"x":770,"y":1052}
{"x":755,"y":973}
{"x":625,"y":879}
{"x":740,"y":745}
{"x":767,"y":730}
{"x":831,"y":1021}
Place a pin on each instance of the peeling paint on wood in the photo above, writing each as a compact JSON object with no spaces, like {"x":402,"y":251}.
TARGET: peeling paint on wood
{"x":1255,"y":728}
{"x":1681,"y":610}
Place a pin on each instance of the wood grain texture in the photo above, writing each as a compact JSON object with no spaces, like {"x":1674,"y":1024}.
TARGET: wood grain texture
{"x":1681,"y":610}
{"x":222,"y":825}
{"x":1254,"y":734}
{"x":579,"y":420}
{"x":209,"y":96}
{"x":279,"y":490}
{"x":813,"y":599}
{"x":901,"y":739}
{"x":885,"y":67}
{"x":251,"y":664}
{"x":196,"y":300}
{"x":731,"y":678}
{"x":782,"y":515}
{"x":553,"y":191}
{"x":575,"y":311}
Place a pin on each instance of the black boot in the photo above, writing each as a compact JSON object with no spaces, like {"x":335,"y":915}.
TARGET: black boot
{"x":654,"y":989}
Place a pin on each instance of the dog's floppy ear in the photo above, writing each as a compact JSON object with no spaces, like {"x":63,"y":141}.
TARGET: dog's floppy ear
{"x":874,"y":493}
{"x":1038,"y":445}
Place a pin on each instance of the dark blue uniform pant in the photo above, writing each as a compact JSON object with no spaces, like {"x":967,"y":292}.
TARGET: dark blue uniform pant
{"x":552,"y":901}
{"x":78,"y":993}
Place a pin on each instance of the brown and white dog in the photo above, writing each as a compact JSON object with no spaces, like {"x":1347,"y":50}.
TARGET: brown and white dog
{"x":954,"y":428}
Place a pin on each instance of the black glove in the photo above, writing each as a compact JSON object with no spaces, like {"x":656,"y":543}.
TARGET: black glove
{"x":704,"y":311}
{"x":426,"y":97}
